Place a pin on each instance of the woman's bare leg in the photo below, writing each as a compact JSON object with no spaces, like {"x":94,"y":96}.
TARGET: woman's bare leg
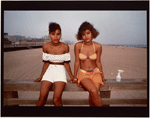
{"x":57,"y":97}
{"x":45,"y":87}
{"x":93,"y":92}
{"x":90,"y":101}
{"x":98,"y":89}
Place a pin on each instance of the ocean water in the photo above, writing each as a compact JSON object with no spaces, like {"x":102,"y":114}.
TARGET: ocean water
{"x":130,"y":45}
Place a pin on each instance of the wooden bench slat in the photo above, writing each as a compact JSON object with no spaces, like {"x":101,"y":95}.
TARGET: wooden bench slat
{"x":13,"y":86}
{"x":36,"y":87}
{"x":105,"y":101}
{"x":28,"y":85}
{"x":107,"y":81}
{"x":137,"y":86}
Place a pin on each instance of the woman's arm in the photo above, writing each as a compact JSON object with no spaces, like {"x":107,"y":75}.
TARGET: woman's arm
{"x":98,"y":61}
{"x":77,"y":61}
{"x":67,"y":65}
{"x":45,"y":66}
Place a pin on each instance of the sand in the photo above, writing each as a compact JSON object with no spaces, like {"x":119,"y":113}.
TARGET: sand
{"x":27,"y":64}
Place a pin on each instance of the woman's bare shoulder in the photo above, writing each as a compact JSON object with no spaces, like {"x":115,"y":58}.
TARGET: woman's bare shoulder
{"x":98,"y":45}
{"x":45,"y":46}
{"x":64,"y":44}
{"x":78,"y":45}
{"x":65,"y":47}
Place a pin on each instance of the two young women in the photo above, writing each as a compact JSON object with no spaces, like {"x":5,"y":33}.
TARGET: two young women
{"x":56,"y":57}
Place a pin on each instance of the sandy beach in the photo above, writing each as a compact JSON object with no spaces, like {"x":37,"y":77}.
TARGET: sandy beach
{"x":27,"y":64}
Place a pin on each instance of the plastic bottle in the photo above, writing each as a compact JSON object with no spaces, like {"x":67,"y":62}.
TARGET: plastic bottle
{"x":118,"y":77}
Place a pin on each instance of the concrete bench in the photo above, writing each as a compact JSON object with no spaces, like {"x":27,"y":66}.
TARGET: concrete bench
{"x":11,"y":88}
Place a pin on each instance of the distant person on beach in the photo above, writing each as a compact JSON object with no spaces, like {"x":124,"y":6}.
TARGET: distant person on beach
{"x":56,"y":58}
{"x":87,"y":56}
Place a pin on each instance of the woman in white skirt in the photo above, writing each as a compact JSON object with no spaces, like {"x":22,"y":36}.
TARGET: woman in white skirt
{"x":55,"y":57}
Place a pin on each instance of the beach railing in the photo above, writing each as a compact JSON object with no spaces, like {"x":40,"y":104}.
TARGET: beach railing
{"x":11,"y":88}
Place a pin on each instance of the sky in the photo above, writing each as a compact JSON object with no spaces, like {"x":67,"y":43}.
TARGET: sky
{"x":115,"y":27}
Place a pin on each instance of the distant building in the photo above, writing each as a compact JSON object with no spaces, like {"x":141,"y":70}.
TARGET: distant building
{"x":6,"y":39}
{"x":34,"y":42}
{"x":5,"y":35}
{"x":47,"y":41}
{"x":16,"y":38}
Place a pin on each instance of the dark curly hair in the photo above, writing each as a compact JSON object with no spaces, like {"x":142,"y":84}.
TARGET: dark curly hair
{"x":84,"y":26}
{"x":53,"y":27}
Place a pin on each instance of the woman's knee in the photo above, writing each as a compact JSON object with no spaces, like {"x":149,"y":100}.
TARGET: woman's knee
{"x":93,"y":92}
{"x":43,"y":97}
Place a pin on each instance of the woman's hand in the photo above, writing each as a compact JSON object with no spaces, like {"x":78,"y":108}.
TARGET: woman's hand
{"x":37,"y":80}
{"x":73,"y":81}
{"x":103,"y":82}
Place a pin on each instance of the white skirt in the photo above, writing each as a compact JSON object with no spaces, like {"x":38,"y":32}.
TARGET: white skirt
{"x":55,"y":73}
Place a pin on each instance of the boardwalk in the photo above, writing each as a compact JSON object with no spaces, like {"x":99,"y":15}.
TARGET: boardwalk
{"x":27,"y":64}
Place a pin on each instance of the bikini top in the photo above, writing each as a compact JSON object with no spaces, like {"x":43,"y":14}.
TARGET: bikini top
{"x":56,"y":58}
{"x":84,"y":57}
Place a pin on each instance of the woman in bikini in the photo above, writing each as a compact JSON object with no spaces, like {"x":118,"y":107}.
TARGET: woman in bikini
{"x":87,"y":56}
{"x":55,"y":57}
